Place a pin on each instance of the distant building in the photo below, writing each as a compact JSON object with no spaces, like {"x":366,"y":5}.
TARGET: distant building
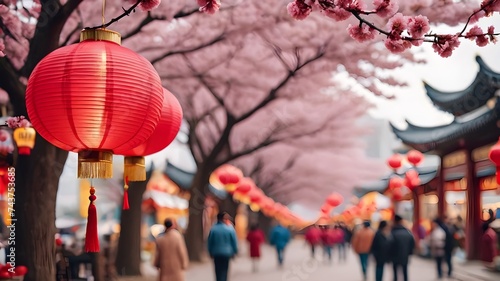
{"x":381,"y":141}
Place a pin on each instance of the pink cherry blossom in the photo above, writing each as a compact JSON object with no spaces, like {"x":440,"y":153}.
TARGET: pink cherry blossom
{"x":476,"y":33}
{"x":491,"y":32}
{"x":490,"y":6}
{"x":337,"y":13}
{"x":361,"y":33}
{"x":397,"y":45}
{"x":418,"y":26}
{"x":385,"y":8}
{"x":148,"y":5}
{"x":477,"y":16}
{"x":445,"y":45}
{"x":17,"y":122}
{"x":209,"y":6}
{"x":398,"y":23}
{"x":299,"y":10}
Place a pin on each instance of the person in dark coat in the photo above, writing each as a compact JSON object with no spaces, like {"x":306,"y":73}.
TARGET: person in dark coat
{"x":402,"y":247}
{"x":255,"y":238}
{"x":381,"y":242}
{"x":279,"y":238}
{"x":222,"y":245}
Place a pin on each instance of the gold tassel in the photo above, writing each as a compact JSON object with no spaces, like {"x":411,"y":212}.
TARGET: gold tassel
{"x":135,"y":168}
{"x":95,"y":164}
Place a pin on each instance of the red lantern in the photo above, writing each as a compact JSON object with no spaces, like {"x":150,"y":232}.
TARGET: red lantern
{"x":334,"y":199}
{"x":255,"y":196}
{"x":93,"y":98}
{"x":395,"y":161}
{"x":20,"y":270}
{"x":325,"y":209}
{"x":397,"y":194}
{"x":224,"y":178}
{"x":412,"y":179}
{"x":414,"y":157}
{"x":163,"y":135}
{"x":494,"y":156}
{"x":245,"y":185}
{"x":395,"y":182}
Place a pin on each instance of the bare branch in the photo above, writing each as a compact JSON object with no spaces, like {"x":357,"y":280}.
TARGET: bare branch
{"x":189,"y":50}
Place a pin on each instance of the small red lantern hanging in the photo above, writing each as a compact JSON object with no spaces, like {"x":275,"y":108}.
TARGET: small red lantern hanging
{"x":334,"y":199}
{"x":412,"y":179}
{"x":163,"y":135}
{"x":395,"y":161}
{"x":244,"y":186}
{"x":25,"y":139}
{"x":494,"y":156}
{"x":395,"y":182}
{"x":415,"y":157}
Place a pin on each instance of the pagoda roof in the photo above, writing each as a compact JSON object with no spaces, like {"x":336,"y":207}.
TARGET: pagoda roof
{"x":426,"y":174}
{"x":475,"y":132}
{"x":477,"y":94}
{"x":184,"y":180}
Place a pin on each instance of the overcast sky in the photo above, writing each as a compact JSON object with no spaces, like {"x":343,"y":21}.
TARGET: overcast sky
{"x":446,"y":74}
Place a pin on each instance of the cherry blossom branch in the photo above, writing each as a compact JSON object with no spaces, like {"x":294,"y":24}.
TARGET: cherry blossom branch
{"x":125,"y":13}
{"x":403,"y":31}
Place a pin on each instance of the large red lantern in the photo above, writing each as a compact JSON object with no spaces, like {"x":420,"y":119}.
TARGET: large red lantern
{"x":93,"y":98}
{"x":164,"y":133}
{"x":494,"y":156}
{"x":414,"y":157}
{"x":394,"y":161}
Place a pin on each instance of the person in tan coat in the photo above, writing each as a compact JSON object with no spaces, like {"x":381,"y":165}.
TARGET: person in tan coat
{"x":171,"y":254}
{"x":361,"y":243}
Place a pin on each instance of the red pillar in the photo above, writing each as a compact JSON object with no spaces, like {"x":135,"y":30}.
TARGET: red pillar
{"x":473,"y":219}
{"x":441,"y":191}
{"x":416,"y":213}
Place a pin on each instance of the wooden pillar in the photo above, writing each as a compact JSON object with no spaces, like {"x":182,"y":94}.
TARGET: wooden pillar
{"x":473,"y":218}
{"x":441,"y":192}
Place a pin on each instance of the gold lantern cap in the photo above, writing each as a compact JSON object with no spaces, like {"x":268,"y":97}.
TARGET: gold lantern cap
{"x":100,"y":34}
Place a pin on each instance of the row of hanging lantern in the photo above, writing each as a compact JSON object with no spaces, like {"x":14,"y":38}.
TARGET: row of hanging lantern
{"x":411,"y":179}
{"x":244,"y":190}
{"x":99,"y":99}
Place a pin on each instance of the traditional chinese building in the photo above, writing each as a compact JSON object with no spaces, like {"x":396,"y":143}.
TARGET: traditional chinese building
{"x":465,"y":184}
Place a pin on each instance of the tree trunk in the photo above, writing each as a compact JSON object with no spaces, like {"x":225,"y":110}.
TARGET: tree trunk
{"x":32,"y":234}
{"x":228,"y":205}
{"x":194,"y":233}
{"x":128,"y":257}
{"x":264,"y":223}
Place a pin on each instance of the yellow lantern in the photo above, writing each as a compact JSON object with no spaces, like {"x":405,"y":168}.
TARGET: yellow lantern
{"x":25,"y":140}
{"x":254,"y":207}
{"x":230,"y":187}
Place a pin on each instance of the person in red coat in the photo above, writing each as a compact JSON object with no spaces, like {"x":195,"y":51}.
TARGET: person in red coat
{"x":255,"y":238}
{"x":488,"y":245}
{"x":313,"y":238}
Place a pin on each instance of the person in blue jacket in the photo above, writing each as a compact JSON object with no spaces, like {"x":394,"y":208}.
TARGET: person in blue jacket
{"x":222,"y":245}
{"x":279,"y":238}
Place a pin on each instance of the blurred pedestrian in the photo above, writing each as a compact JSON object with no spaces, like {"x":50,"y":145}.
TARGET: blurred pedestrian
{"x":255,"y":238}
{"x":328,"y":241}
{"x":171,"y":256}
{"x":437,"y":244}
{"x":339,"y":241}
{"x":279,"y":238}
{"x":489,"y":245}
{"x":381,"y":242}
{"x":361,"y":243}
{"x":402,"y":246}
{"x":222,"y":245}
{"x":313,"y":238}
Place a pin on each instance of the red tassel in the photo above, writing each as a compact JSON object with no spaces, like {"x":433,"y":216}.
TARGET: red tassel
{"x":125,"y":195}
{"x":91,"y":236}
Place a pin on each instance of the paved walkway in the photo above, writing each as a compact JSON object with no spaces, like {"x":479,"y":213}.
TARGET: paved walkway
{"x":299,"y":267}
